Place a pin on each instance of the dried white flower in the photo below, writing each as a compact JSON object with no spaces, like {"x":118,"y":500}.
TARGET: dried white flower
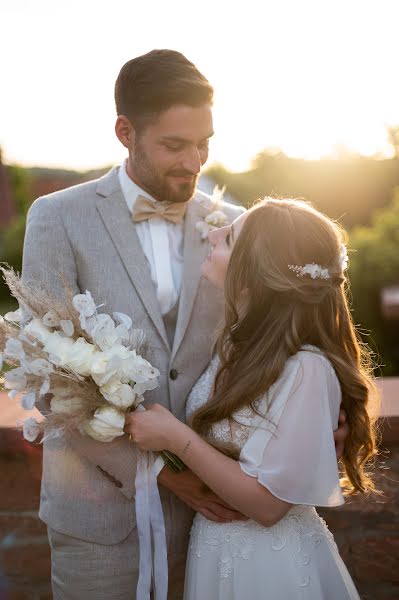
{"x":123,"y":319}
{"x":28,"y":401}
{"x":45,"y":386}
{"x":14,"y":349}
{"x":40,"y":367}
{"x":15,"y":379}
{"x":50,"y":319}
{"x":84,"y":304}
{"x":67,"y":327}
{"x":31,"y":429}
{"x":14,"y":316}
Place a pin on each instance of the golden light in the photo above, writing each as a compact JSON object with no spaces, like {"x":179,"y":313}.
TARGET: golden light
{"x":311,"y":78}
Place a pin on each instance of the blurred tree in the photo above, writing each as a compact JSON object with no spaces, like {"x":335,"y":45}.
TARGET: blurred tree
{"x":20,"y":182}
{"x":12,"y":236}
{"x":393,"y":135}
{"x":374,"y":265}
{"x":349,"y":189}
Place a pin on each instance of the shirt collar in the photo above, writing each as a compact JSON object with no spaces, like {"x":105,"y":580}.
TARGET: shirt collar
{"x":130,"y":189}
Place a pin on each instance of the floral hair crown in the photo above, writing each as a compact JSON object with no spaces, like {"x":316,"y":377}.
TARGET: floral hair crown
{"x":317,"y":271}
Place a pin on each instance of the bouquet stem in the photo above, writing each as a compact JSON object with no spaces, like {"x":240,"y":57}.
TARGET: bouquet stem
{"x":172,"y":461}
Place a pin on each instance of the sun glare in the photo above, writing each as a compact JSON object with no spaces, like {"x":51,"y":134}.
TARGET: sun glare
{"x":313,"y":79}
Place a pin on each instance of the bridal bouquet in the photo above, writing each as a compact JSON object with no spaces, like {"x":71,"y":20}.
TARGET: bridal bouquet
{"x":87,"y":361}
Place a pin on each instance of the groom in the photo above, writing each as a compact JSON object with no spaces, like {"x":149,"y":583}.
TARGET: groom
{"x":130,"y":238}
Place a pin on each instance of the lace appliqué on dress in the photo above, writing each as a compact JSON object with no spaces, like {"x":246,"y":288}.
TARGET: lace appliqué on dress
{"x":230,"y":541}
{"x":299,"y":532}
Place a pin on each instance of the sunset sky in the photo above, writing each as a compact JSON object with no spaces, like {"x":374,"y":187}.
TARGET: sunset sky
{"x":309,"y":77}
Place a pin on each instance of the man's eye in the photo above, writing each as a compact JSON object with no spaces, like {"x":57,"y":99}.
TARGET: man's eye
{"x":173,"y":148}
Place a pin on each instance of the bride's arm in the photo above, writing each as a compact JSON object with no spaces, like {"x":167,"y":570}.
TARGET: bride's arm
{"x":158,"y":429}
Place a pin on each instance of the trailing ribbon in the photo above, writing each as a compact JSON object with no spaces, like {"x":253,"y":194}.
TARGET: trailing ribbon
{"x":151,"y":530}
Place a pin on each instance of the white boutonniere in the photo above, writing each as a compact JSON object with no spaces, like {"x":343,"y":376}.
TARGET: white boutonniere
{"x":213,"y":215}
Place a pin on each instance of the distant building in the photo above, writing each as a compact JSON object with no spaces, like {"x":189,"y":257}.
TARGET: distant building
{"x":7,"y":206}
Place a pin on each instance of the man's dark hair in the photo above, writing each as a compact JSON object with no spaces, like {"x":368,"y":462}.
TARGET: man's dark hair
{"x":150,"y":84}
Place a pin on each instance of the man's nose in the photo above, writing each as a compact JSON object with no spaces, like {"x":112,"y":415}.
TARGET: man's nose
{"x":192,"y":161}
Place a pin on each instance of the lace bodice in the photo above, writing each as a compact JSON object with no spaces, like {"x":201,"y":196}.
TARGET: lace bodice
{"x":234,"y":431}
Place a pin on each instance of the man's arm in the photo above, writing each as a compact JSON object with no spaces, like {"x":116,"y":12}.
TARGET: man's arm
{"x":193,"y":492}
{"x":341,"y":434}
{"x":47,"y":256}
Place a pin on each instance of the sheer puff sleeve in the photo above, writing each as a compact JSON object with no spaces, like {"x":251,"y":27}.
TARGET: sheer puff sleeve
{"x":291,"y":451}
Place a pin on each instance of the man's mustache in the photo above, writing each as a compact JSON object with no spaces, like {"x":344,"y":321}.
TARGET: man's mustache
{"x":178,"y":173}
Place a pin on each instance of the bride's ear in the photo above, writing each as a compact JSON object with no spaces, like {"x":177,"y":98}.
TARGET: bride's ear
{"x":125,"y":131}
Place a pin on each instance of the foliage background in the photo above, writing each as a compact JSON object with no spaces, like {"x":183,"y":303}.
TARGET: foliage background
{"x":362,"y":193}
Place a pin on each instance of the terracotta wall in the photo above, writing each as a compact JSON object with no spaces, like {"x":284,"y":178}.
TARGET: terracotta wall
{"x":367,"y":531}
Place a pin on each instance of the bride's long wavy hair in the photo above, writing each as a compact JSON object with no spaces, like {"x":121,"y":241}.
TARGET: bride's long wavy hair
{"x":271,"y":312}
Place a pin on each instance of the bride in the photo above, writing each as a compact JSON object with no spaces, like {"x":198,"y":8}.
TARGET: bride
{"x":263,"y":413}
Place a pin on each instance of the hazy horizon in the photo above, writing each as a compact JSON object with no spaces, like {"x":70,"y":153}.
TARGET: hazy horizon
{"x":314,"y":78}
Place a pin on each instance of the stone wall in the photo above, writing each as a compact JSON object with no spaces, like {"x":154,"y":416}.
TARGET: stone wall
{"x":366,"y":531}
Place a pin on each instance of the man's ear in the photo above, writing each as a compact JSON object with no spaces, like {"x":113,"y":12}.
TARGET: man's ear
{"x":125,"y":131}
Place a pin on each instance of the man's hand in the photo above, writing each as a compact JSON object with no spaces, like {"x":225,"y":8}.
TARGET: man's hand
{"x":341,"y":434}
{"x":193,"y":492}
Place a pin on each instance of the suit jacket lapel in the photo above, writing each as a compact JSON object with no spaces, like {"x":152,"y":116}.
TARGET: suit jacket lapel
{"x":195,"y":251}
{"x":117,"y":220}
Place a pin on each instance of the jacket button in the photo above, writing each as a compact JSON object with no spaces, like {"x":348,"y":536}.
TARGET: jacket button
{"x":173,"y":374}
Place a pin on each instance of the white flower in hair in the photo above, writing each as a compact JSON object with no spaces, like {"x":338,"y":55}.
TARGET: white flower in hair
{"x":315,"y":271}
{"x":343,"y":258}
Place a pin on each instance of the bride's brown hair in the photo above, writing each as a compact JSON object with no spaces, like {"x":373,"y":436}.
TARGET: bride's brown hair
{"x":271,"y":313}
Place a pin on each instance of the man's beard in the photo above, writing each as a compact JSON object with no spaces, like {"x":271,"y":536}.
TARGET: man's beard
{"x":156,"y":184}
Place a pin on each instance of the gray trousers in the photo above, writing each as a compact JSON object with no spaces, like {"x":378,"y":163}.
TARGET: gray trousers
{"x":83,"y":570}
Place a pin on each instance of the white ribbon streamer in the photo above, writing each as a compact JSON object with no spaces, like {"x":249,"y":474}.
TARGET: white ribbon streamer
{"x":151,"y":530}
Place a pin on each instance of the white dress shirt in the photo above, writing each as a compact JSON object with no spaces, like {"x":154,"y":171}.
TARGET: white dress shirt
{"x":162,"y":244}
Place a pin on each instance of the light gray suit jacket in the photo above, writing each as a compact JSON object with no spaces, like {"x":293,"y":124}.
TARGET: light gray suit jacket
{"x":86,"y":233}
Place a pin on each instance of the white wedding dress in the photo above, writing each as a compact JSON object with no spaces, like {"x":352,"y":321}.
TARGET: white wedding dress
{"x":292,"y":454}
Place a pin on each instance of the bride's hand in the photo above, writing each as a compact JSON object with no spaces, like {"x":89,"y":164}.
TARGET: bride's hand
{"x":152,"y":429}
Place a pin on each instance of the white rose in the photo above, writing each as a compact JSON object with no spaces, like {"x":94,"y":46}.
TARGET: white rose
{"x":57,"y":345}
{"x":109,"y":364}
{"x":119,"y":394}
{"x":81,"y":356}
{"x":106,"y":424}
{"x":139,"y":370}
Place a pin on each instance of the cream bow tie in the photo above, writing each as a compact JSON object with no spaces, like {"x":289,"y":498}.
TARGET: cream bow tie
{"x":144,"y":209}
